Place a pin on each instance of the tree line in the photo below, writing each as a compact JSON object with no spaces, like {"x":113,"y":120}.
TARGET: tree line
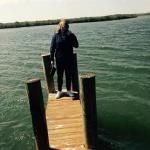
{"x":72,"y":20}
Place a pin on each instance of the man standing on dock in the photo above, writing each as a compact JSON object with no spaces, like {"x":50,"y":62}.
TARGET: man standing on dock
{"x":61,"y":48}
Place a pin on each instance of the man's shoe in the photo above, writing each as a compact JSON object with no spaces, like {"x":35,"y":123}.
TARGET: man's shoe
{"x":70,"y":94}
{"x":58,"y":95}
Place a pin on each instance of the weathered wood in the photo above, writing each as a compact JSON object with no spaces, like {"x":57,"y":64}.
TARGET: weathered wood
{"x":35,"y":97}
{"x":65,"y":123}
{"x":88,"y":101}
{"x":47,"y":68}
{"x":75,"y":78}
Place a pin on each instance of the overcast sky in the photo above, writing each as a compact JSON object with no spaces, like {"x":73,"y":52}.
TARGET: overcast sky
{"x":27,"y":10}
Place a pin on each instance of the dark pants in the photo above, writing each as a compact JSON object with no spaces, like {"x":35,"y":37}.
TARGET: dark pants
{"x":62,"y":67}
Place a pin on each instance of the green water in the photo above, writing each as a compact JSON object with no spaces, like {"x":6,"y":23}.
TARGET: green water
{"x":119,"y":53}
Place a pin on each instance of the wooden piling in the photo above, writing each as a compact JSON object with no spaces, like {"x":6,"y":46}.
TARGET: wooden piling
{"x":47,"y":68}
{"x":35,"y":97}
{"x":75,"y":78}
{"x":88,"y":101}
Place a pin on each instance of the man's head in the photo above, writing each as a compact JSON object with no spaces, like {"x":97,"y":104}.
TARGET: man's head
{"x":64,"y":26}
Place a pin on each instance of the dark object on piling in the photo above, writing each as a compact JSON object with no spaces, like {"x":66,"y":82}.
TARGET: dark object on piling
{"x":52,"y":71}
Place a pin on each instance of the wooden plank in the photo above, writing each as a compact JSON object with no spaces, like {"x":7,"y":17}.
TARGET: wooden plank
{"x":65,"y":123}
{"x":65,"y":136}
{"x":62,"y":126}
{"x":69,"y":147}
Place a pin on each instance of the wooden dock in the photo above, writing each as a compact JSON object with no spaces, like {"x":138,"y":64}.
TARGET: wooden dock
{"x":65,"y":123}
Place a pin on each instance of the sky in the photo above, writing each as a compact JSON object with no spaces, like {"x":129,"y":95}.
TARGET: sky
{"x":31,"y":10}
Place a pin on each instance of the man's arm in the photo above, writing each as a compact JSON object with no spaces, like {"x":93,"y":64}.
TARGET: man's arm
{"x":74,"y":41}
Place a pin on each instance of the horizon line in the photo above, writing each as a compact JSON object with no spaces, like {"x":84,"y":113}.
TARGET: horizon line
{"x":144,"y":13}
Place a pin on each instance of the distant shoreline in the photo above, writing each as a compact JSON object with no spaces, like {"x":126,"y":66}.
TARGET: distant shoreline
{"x":72,"y":20}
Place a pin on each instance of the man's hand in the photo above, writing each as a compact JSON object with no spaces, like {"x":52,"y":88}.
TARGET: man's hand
{"x":52,"y":63}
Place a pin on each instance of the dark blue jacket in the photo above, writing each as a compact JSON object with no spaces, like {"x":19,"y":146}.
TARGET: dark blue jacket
{"x":62,"y":46}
